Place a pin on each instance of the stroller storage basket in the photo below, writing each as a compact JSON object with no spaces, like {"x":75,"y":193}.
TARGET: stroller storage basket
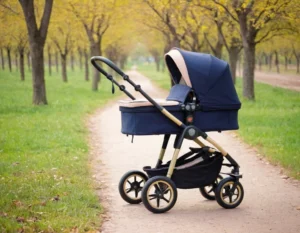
{"x":188,"y":174}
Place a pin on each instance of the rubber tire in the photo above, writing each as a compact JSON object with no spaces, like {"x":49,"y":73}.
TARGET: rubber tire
{"x":218,"y":193}
{"x":147,"y":186}
{"x":206,"y":195}
{"x":121,"y":184}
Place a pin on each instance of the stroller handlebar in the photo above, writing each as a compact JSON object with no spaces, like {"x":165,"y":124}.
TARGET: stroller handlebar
{"x":108,"y":76}
{"x":107,"y":62}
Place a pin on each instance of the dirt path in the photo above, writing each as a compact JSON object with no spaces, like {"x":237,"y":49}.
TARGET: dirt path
{"x":287,"y":81}
{"x":271,"y":203}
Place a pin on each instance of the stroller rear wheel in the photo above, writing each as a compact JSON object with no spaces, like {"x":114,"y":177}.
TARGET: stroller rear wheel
{"x":209,"y":191}
{"x":159,"y":194}
{"x":227,"y":196}
{"x":131,"y":185}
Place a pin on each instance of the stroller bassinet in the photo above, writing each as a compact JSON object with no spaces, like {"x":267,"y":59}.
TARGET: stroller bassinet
{"x":206,"y":76}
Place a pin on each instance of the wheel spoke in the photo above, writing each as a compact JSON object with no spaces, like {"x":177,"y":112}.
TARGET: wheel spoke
{"x":129,"y":182}
{"x":212,"y":189}
{"x":230,"y":198}
{"x":134,"y":178}
{"x":129,"y":190}
{"x":165,"y":199}
{"x":167,"y":190}
{"x":136,"y":193}
{"x":157,"y":202}
{"x":140,"y":181}
{"x":157,"y":188}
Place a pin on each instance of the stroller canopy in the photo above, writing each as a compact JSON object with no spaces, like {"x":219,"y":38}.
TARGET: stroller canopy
{"x":207,"y":75}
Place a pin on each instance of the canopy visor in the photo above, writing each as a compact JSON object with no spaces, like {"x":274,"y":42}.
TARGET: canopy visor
{"x":177,"y":67}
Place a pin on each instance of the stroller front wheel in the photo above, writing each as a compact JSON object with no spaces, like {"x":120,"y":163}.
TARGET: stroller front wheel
{"x":227,"y":196}
{"x":159,"y":194}
{"x":131,"y":185}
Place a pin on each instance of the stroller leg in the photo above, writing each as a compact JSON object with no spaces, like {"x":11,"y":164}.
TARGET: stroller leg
{"x":177,"y":146}
{"x":163,"y":150}
{"x":173,"y":163}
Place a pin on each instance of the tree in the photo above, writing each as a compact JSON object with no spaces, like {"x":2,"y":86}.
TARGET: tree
{"x":37,"y":37}
{"x":95,"y":17}
{"x":258,"y":21}
{"x":64,"y":44}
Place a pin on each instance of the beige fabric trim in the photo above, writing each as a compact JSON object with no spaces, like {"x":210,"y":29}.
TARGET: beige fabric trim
{"x":179,"y":61}
{"x":144,"y":102}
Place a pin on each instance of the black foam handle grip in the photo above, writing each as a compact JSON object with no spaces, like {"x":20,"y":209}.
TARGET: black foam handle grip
{"x":107,"y":62}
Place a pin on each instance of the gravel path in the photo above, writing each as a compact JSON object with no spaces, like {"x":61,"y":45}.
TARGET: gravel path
{"x":271,"y":202}
{"x":287,"y":81}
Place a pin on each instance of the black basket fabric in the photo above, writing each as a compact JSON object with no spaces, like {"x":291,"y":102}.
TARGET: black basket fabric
{"x":199,"y":175}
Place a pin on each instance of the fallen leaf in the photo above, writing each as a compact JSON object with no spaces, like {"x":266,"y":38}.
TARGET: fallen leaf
{"x":32,"y":219}
{"x":3,"y":214}
{"x":43,"y":203}
{"x":20,"y":219}
{"x":17,"y":203}
{"x":55,"y":198}
{"x":16,"y":163}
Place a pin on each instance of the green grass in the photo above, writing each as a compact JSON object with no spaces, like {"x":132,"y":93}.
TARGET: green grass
{"x":271,"y":123}
{"x":45,"y":178}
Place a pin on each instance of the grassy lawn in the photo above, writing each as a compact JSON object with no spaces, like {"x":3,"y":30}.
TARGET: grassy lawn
{"x":45,"y":180}
{"x":271,"y":123}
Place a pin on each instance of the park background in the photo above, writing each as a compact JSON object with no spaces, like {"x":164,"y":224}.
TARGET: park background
{"x":49,"y":88}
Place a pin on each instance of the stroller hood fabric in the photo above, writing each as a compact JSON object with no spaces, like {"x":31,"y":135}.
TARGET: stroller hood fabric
{"x":209,"y":76}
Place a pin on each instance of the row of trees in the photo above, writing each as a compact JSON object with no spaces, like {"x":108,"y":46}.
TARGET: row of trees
{"x":236,"y":25}
{"x":259,"y":30}
{"x":62,"y":30}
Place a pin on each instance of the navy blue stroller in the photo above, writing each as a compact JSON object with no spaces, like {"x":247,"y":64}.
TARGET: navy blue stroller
{"x":202,"y":99}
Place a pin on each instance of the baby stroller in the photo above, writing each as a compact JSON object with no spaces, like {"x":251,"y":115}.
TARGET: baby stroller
{"x":202,"y":99}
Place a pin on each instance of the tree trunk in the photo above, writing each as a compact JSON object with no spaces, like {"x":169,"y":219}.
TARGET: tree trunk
{"x":16,"y":61}
{"x":86,"y":66}
{"x":64,"y":67}
{"x":72,"y":61}
{"x":270,"y":61}
{"x":298,"y":64}
{"x":39,"y":87}
{"x":233,"y":58}
{"x":37,"y":37}
{"x":95,"y":51}
{"x":8,"y":58}
{"x":157,"y":62}
{"x":29,"y":60}
{"x":286,"y":62}
{"x":2,"y":59}
{"x":266,"y":59}
{"x":248,"y":71}
{"x":260,"y":63}
{"x":56,"y":62}
{"x":22,"y":69}
{"x":123,"y":59}
{"x":49,"y":61}
{"x":277,"y":62}
{"x":80,"y":58}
